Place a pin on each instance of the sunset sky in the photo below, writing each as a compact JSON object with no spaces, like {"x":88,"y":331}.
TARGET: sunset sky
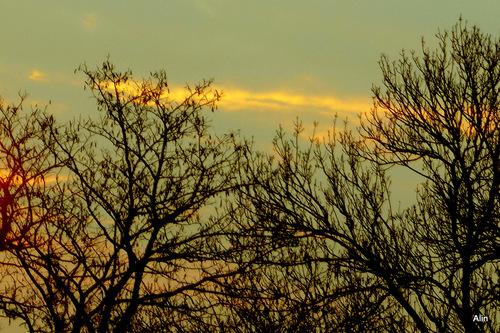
{"x":274,"y":60}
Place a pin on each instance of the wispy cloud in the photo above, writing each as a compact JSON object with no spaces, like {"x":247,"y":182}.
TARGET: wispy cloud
{"x":236,"y":99}
{"x":39,"y":76}
{"x":90,"y":22}
{"x":131,"y":89}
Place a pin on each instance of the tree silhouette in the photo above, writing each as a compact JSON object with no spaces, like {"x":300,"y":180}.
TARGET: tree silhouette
{"x":321,"y":230}
{"x":143,"y":220}
{"x":26,"y":166}
{"x":24,"y":162}
{"x":120,"y":235}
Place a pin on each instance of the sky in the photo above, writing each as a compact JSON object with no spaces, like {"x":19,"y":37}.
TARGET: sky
{"x":274,"y":60}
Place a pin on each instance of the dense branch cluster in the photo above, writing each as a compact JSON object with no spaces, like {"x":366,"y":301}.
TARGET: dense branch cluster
{"x":145,"y":220}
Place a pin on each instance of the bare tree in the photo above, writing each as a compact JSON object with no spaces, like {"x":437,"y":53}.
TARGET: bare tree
{"x":115,"y":224}
{"x":27,"y":169}
{"x":24,"y":164}
{"x":126,"y":233}
{"x":442,"y":122}
{"x":322,"y":232}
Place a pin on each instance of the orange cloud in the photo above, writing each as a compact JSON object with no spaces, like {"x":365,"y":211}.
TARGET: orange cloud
{"x":132,"y":89}
{"x":277,"y":100}
{"x":5,"y":174}
{"x":90,"y":22}
{"x":238,"y":99}
{"x":37,"y":75}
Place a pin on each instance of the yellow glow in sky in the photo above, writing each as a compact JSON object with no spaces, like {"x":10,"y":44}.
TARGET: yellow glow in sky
{"x":235,"y":99}
{"x":276,"y":101}
{"x":90,"y":22}
{"x":37,"y":75}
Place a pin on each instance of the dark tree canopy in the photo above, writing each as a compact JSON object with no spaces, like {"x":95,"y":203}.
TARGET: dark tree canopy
{"x":321,"y":221}
{"x":119,"y":234}
{"x":144,"y":220}
{"x":442,"y":111}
